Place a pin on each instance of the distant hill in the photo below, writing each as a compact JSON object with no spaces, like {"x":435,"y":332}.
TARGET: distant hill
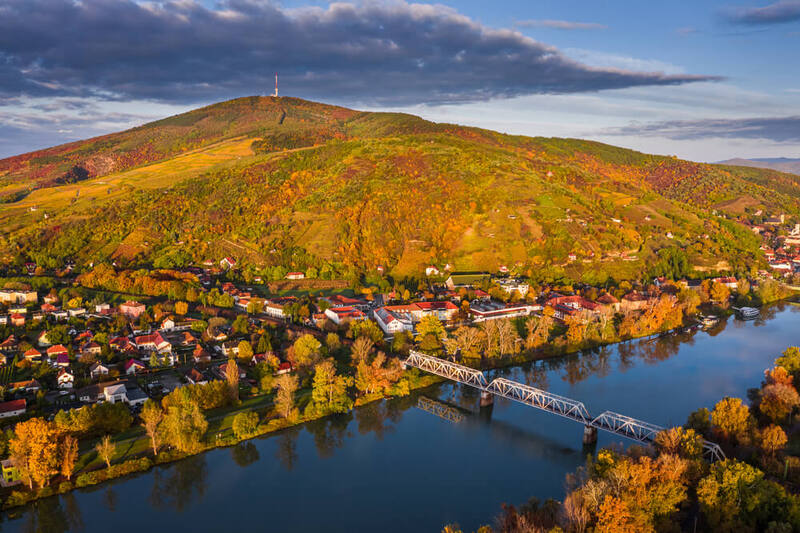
{"x":782,"y":164}
{"x":283,"y":183}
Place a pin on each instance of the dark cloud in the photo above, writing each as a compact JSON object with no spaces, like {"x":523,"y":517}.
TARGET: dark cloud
{"x":777,"y":13}
{"x":183,"y":52}
{"x":785,"y":129}
{"x":560,"y":24}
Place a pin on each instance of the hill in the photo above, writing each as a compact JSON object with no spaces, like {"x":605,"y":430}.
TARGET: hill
{"x":283,"y":183}
{"x":781,"y":164}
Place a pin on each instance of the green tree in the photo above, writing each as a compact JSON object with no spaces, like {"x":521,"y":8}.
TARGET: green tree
{"x":329,"y":390}
{"x":306,"y":350}
{"x":431,"y":325}
{"x":184,"y":423}
{"x":264,"y":344}
{"x":245,"y":351}
{"x":245,"y":424}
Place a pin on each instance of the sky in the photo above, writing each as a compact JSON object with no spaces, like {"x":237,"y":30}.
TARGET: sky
{"x":705,"y":81}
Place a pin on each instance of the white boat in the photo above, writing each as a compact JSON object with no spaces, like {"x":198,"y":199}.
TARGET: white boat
{"x":748,"y":313}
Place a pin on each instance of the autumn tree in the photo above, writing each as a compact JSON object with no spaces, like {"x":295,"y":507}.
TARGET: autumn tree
{"x":286,"y":386}
{"x":377,"y":376}
{"x":361,"y":349}
{"x":181,"y":308}
{"x":771,"y":440}
{"x":69,"y":456}
{"x":431,"y":325}
{"x":731,"y":419}
{"x":34,"y":449}
{"x":245,"y":351}
{"x":538,"y":331}
{"x":329,"y":390}
{"x":152,"y":415}
{"x":467,"y":340}
{"x":232,"y":379}
{"x":105,"y":449}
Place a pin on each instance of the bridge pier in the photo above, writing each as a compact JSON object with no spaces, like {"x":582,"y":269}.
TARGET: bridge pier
{"x":487,"y":398}
{"x":589,"y":435}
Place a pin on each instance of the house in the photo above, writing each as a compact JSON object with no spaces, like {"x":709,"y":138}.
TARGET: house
{"x":444,"y":311}
{"x":633,"y":301}
{"x":12,"y":408}
{"x":11,"y":296}
{"x":564,"y":306}
{"x":17,"y":320}
{"x":121,"y":344}
{"x":65,"y":379}
{"x":195,"y":376}
{"x":466,"y":279}
{"x":10,"y":344}
{"x":483,"y":310}
{"x":230,"y":348}
{"x":295,"y":275}
{"x":340,"y":315}
{"x":102,"y":309}
{"x":112,"y":392}
{"x":133,"y":366}
{"x":54,"y":351}
{"x":30,"y":385}
{"x":728,"y":281}
{"x":3,"y":320}
{"x":431,"y":270}
{"x":200,"y":355}
{"x":337,"y":300}
{"x":42,"y":340}
{"x":97,"y":370}
{"x":50,"y":298}
{"x":284,"y":368}
{"x":391,"y":322}
{"x":32,"y":355}
{"x":153,"y":342}
{"x":274,"y":307}
{"x":91,"y":348}
{"x":115,"y":393}
{"x":227,"y":263}
{"x":609,"y":301}
{"x":513,"y":285}
{"x":62,"y":360}
{"x":11,"y":475}
{"x":132,"y":310}
{"x":77,"y":311}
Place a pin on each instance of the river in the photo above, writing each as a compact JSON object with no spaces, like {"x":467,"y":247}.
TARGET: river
{"x":391,"y":466}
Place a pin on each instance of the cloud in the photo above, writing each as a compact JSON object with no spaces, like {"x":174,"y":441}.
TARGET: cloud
{"x":777,"y":13}
{"x":560,"y":24}
{"x":182,"y":51}
{"x":776,"y":129}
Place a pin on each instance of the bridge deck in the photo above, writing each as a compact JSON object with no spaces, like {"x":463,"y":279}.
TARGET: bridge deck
{"x":609,"y":421}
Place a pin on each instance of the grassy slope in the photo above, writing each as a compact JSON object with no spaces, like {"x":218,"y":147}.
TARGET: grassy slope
{"x":326,"y":184}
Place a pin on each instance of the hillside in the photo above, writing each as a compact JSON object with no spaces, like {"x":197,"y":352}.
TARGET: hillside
{"x":282,"y":183}
{"x":781,"y":164}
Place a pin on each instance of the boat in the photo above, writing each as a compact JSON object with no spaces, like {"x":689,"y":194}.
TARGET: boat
{"x":748,"y":313}
{"x":709,"y":321}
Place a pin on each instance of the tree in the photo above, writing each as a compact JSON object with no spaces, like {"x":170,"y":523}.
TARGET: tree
{"x":329,"y":390}
{"x":245,"y":351}
{"x":181,"y":308}
{"x":790,"y":360}
{"x":772,"y":439}
{"x":232,"y":379}
{"x":105,"y":449}
{"x":184,"y":424}
{"x":264,"y":344}
{"x":365,"y":328}
{"x":34,"y":448}
{"x":720,"y":293}
{"x":69,"y":456}
{"x":431,"y":325}
{"x":538,"y":331}
{"x":332,"y":342}
{"x":614,"y":517}
{"x":731,"y":419}
{"x":778,"y":400}
{"x":286,"y":386}
{"x":468,"y":340}
{"x":306,"y":349}
{"x":377,"y":376}
{"x":245,"y":424}
{"x":152,"y":415}
{"x":240,"y":325}
{"x":361,"y":349}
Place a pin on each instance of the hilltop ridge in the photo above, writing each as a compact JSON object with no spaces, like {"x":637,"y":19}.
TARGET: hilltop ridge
{"x":288,"y":183}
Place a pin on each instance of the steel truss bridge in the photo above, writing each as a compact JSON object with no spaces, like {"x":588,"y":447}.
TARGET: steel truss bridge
{"x":609,"y":421}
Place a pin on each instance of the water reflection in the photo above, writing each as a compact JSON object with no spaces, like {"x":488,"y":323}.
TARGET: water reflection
{"x":286,"y":451}
{"x":177,"y":485}
{"x":329,"y":434}
{"x":245,"y":453}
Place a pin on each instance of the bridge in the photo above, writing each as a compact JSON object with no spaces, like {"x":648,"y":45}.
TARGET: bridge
{"x":609,"y":421}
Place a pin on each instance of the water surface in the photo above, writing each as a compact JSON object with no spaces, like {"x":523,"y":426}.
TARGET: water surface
{"x":391,"y":466}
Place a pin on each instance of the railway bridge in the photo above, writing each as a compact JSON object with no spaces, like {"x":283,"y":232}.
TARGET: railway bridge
{"x":609,"y":421}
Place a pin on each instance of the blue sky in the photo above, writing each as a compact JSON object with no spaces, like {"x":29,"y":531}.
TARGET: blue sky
{"x":702,"y":80}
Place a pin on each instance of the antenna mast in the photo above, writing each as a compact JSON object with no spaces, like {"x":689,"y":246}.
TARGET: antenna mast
{"x":276,"y":86}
